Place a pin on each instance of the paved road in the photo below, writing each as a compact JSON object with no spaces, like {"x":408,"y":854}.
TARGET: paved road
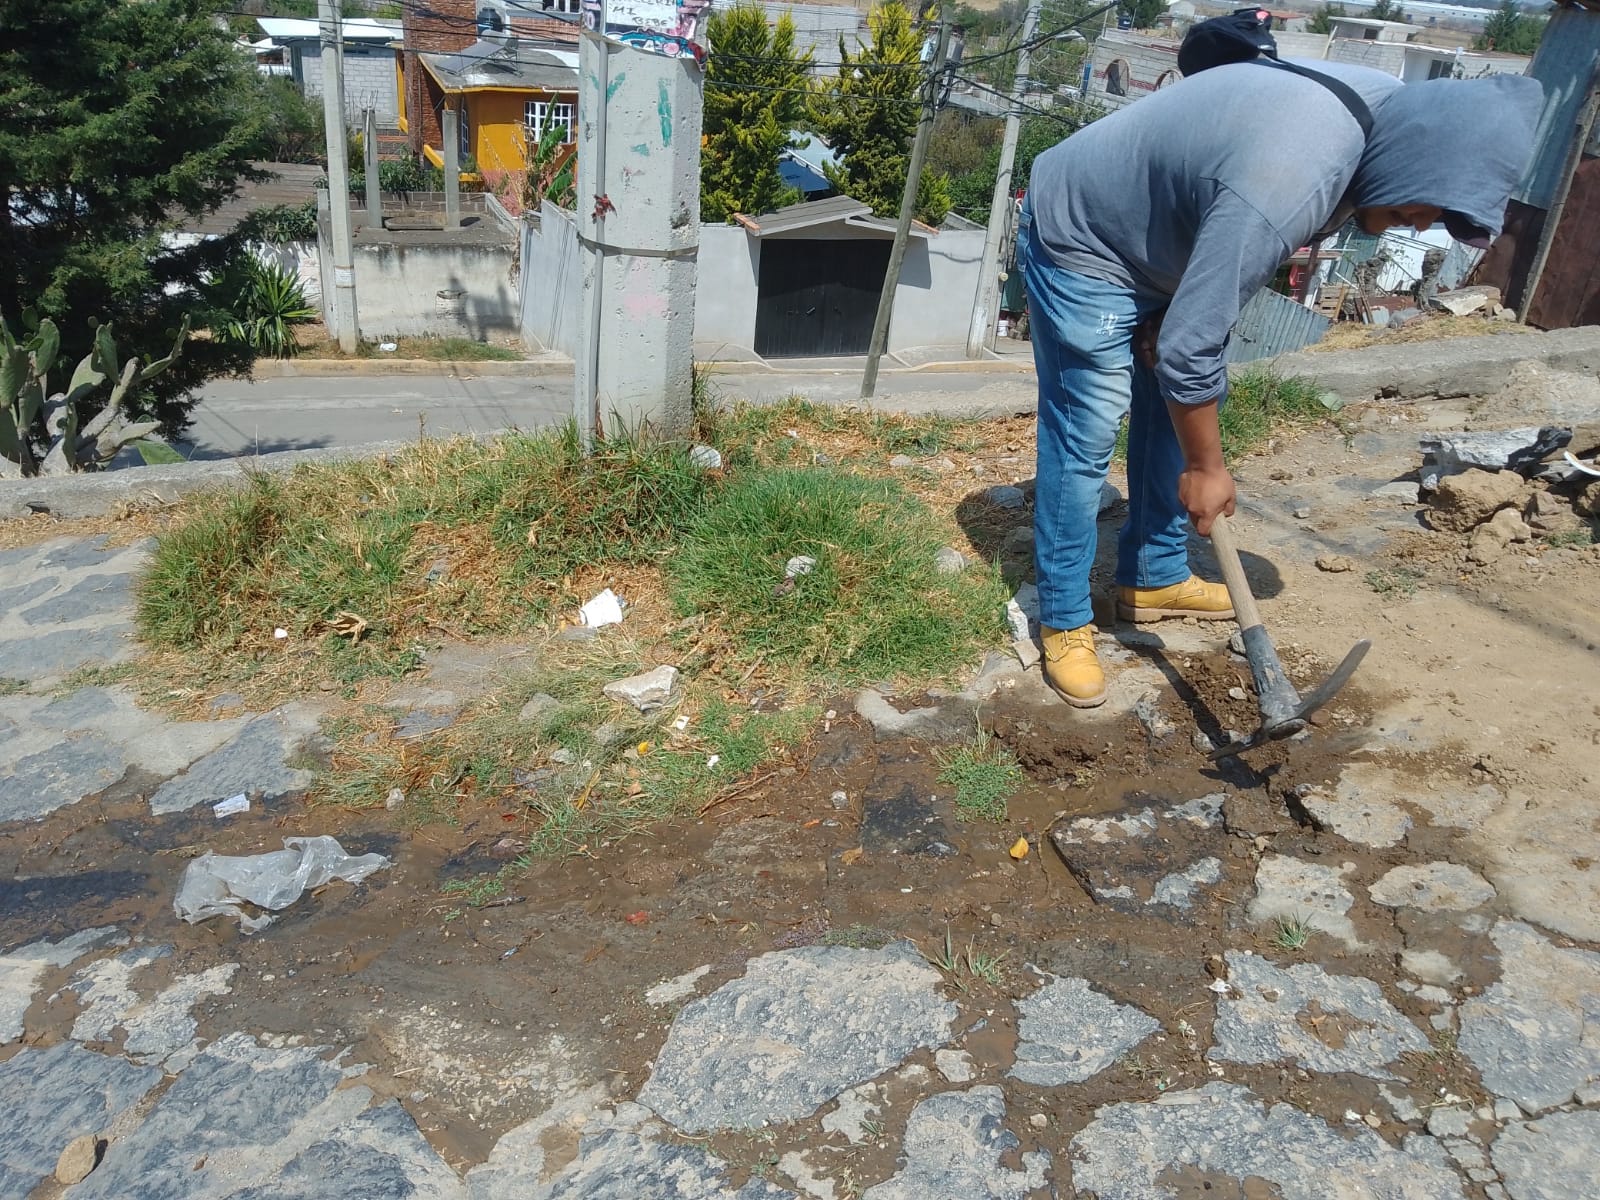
{"x":237,"y":417}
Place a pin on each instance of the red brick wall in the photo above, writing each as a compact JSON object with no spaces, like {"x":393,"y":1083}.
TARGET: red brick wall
{"x":446,"y":25}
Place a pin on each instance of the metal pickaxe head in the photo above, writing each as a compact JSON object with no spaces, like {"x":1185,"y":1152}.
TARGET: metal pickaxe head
{"x":1284,"y":712}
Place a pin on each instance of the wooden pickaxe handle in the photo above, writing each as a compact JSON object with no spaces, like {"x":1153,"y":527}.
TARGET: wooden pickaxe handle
{"x":1276,"y":696}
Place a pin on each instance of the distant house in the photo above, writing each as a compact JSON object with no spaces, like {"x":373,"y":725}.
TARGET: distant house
{"x":507,"y":97}
{"x":513,"y":64}
{"x":369,"y":80}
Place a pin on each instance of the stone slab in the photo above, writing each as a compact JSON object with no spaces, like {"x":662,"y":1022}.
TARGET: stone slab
{"x":1556,"y":1157}
{"x":1357,"y":815}
{"x":1152,"y":857}
{"x":797,"y":1029}
{"x":22,"y":969}
{"x":254,"y":762}
{"x":77,"y":766}
{"x":953,"y":1146}
{"x":1290,"y":889}
{"x":1305,"y":1015}
{"x":1432,"y":887}
{"x":1221,"y":1140}
{"x":53,"y":1096}
{"x":49,"y":656}
{"x":622,"y":1164}
{"x":103,"y":595}
{"x":233,"y":1120}
{"x":1069,"y":1032}
{"x":381,"y":1153}
{"x":1535,"y":1034}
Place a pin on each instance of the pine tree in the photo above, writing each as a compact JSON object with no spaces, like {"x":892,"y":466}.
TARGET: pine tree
{"x":868,"y":115}
{"x":755,"y":95}
{"x":119,"y":119}
{"x":1322,"y":20}
{"x":1143,"y":13}
{"x":1511,"y":31}
{"x":1387,"y":10}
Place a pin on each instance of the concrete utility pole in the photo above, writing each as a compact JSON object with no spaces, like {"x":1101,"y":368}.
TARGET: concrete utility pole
{"x":374,"y":184}
{"x":344,"y":271}
{"x":908,"y":208}
{"x":450,"y":135}
{"x":638,"y":221}
{"x":987,"y":307}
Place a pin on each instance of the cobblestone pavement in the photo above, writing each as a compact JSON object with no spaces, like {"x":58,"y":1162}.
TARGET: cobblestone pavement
{"x":106,"y":1030}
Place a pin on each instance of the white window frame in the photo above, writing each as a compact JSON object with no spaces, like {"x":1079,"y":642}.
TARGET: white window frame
{"x":539,"y":115}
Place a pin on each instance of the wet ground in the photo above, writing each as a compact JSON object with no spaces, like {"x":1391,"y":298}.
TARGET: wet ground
{"x":1320,"y":971}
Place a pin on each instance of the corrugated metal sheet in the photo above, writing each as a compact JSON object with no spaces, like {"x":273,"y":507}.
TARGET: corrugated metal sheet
{"x":1564,"y":64}
{"x":1272,"y":324}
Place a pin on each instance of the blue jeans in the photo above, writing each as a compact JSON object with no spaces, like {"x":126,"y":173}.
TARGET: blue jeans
{"x":1082,"y":331}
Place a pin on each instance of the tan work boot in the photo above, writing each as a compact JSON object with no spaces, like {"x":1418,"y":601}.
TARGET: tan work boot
{"x":1194,"y":597}
{"x":1072,"y":667}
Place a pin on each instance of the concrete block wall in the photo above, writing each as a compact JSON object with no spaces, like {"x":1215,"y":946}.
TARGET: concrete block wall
{"x":552,"y":275}
{"x":1388,"y":57}
{"x":369,"y":81}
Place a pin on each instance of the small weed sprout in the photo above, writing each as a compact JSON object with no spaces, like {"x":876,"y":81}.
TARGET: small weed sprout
{"x":1292,"y":933}
{"x":987,"y":967}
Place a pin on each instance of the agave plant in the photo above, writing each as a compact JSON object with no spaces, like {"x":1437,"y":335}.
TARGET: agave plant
{"x":264,"y":303}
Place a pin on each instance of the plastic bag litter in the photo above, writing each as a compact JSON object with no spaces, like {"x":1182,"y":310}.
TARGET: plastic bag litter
{"x":218,"y":885}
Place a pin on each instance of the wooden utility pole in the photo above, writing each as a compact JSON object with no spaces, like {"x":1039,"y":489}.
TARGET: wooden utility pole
{"x":344,"y":271}
{"x":987,"y":307}
{"x":908,"y":208}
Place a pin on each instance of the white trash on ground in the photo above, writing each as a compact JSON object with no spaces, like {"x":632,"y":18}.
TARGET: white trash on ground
{"x":604,"y":609}
{"x":218,"y":885}
{"x":232,"y":805}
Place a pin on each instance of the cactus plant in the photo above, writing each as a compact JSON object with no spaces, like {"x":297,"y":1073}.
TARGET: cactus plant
{"x":43,"y":432}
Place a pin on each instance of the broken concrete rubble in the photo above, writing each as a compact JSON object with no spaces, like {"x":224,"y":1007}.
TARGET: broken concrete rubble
{"x":1465,"y":301}
{"x":1447,"y":454}
{"x":1465,"y":501}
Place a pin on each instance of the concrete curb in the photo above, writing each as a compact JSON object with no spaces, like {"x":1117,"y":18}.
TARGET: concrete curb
{"x":954,"y":367}
{"x":96,"y":495}
{"x":1475,"y":366}
{"x":365,"y":368}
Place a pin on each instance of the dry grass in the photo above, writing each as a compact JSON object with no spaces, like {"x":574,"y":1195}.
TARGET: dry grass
{"x":127,"y":525}
{"x":1351,"y":335}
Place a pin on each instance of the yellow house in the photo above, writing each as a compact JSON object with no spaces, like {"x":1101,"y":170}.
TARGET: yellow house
{"x":504,"y":101}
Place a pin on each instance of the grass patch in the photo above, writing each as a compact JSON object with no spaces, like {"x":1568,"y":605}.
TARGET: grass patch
{"x":873,"y":607}
{"x":985,"y":775}
{"x":12,"y":687}
{"x":579,"y":770}
{"x":95,"y":676}
{"x":1399,"y":583}
{"x":434,"y":349}
{"x":1583,"y":536}
{"x":1261,"y":404}
{"x":473,"y":538}
{"x":751,"y":434}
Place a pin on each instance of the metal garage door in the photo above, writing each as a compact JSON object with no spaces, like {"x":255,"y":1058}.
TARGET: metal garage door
{"x":817,"y":298}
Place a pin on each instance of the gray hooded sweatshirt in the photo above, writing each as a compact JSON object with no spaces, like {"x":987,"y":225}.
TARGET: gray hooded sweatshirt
{"x":1196,"y":195}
